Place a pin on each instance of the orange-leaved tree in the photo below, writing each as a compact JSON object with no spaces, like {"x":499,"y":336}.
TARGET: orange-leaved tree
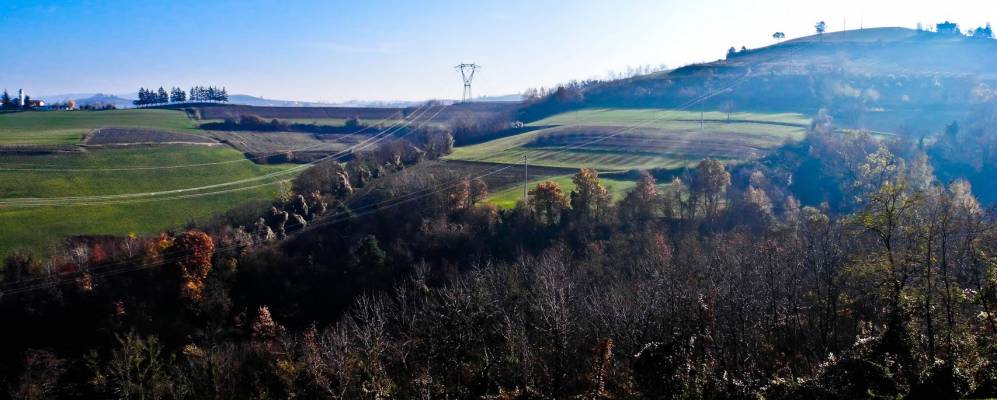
{"x":548,"y":203}
{"x":194,"y":250}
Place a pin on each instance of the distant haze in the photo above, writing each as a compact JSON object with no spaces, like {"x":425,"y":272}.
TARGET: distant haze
{"x":396,"y":50}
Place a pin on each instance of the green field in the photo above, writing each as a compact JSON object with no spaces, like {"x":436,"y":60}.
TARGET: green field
{"x":508,"y":197}
{"x":621,"y":139}
{"x":114,"y":171}
{"x":36,"y":229}
{"x":68,"y":127}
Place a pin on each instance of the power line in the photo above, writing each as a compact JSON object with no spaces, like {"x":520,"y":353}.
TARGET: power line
{"x":350,"y":214}
{"x":467,"y":75}
{"x":89,"y":200}
{"x":159,"y":167}
{"x":24,"y":288}
{"x":526,"y":180}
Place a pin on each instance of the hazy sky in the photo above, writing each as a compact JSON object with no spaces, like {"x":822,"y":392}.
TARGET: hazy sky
{"x":327,"y":50}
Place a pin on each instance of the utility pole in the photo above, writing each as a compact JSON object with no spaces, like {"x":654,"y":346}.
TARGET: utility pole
{"x":702,"y":114}
{"x":467,"y":75}
{"x":526,"y":181}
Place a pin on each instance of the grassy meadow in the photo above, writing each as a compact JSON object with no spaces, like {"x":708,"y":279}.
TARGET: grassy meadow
{"x":68,"y":127}
{"x":37,"y":228}
{"x":507,"y":198}
{"x":115,"y":171}
{"x":622,"y":139}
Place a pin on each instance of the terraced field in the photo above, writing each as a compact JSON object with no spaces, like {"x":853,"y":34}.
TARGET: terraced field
{"x":622,"y":139}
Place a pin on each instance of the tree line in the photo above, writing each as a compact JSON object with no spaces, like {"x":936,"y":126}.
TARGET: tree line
{"x":838,"y":267}
{"x":176,"y":95}
{"x":7,"y":103}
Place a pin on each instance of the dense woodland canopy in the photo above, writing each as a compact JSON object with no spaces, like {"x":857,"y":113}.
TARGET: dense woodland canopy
{"x":842,"y":266}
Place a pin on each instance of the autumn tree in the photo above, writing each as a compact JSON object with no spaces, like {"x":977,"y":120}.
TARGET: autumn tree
{"x":641,"y":205}
{"x":548,"y":203}
{"x":479,"y":190}
{"x":135,"y":369}
{"x":460,"y":196}
{"x":589,"y":199}
{"x":708,"y":183}
{"x":194,"y":249}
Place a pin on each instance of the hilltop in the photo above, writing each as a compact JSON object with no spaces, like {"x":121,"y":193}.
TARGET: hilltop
{"x":878,"y":78}
{"x":874,"y":51}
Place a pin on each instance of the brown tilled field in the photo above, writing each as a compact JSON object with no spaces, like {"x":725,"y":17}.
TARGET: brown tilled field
{"x":135,"y":136}
{"x":274,"y":147}
{"x":513,"y":175}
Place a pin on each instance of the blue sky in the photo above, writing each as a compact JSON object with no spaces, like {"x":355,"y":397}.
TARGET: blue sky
{"x":400,"y":50}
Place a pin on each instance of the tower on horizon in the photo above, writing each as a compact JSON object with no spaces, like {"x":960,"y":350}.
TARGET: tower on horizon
{"x":467,"y":74}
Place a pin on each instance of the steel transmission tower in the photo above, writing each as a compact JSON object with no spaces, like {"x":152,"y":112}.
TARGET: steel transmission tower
{"x":467,"y":74}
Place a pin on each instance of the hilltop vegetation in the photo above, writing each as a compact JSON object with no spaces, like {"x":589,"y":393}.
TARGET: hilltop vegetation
{"x":879,"y":79}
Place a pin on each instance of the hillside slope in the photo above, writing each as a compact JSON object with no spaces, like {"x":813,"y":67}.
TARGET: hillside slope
{"x":880,"y":79}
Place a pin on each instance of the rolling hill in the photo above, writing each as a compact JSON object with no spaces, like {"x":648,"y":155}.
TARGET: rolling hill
{"x":65,"y":159}
{"x":884,"y":80}
{"x":622,"y":139}
{"x":879,"y":79}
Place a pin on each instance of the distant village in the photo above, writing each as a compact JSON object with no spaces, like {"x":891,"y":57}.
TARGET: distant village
{"x":21,"y":102}
{"x":24,"y":102}
{"x":146,"y":98}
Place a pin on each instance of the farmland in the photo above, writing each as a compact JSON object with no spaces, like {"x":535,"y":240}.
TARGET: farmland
{"x":123,"y":155}
{"x":507,"y":198}
{"x":623,"y":139}
{"x":110,"y":153}
{"x":57,"y":175}
{"x":476,"y":110}
{"x":69,"y":127}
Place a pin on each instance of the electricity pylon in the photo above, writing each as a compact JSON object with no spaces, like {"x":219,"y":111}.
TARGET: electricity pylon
{"x":467,"y":74}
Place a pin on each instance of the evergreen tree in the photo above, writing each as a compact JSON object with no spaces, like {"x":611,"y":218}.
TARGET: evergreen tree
{"x":177,"y":95}
{"x":162,"y":96}
{"x":142,"y":97}
{"x":5,"y":102}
